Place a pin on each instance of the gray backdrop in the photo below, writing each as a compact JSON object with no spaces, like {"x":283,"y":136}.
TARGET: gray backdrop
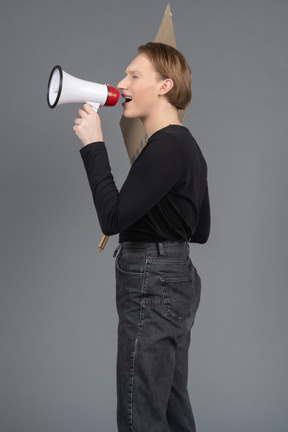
{"x":58,"y":316}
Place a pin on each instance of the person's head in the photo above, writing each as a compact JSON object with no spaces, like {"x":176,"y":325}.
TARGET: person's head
{"x":170,"y":63}
{"x":158,"y":73}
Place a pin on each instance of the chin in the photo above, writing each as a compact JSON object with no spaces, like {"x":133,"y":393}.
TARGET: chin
{"x":129,"y":115}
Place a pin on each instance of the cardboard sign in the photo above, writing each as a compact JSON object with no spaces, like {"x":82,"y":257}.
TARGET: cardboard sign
{"x":133,"y":131}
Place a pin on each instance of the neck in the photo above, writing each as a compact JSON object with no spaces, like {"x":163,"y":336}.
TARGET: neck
{"x":156,"y":121}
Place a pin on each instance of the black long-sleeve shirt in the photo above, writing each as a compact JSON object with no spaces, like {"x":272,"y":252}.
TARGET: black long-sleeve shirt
{"x":165,"y":195}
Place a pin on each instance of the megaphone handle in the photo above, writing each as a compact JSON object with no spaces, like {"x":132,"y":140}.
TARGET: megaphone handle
{"x":94,"y":105}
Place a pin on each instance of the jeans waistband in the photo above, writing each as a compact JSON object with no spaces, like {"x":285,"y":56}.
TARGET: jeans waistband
{"x":153,"y":248}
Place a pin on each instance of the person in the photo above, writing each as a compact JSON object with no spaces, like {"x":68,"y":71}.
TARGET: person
{"x":162,"y":206}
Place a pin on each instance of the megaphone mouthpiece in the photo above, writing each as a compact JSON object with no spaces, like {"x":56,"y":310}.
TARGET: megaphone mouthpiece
{"x":113,"y":96}
{"x":64,"y":88}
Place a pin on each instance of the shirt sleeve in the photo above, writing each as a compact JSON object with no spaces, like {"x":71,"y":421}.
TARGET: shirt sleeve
{"x":152,"y":175}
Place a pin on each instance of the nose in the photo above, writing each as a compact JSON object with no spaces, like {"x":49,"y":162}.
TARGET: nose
{"x":121,"y":84}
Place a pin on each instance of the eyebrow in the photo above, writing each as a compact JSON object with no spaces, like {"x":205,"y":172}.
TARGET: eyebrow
{"x":132,"y":71}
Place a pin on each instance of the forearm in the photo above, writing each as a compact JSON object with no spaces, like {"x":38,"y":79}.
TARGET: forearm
{"x":102,"y":185}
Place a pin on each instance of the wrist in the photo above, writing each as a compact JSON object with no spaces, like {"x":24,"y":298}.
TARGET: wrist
{"x":92,"y":140}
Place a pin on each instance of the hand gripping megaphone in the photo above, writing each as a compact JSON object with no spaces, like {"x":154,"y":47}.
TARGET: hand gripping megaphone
{"x":64,"y":88}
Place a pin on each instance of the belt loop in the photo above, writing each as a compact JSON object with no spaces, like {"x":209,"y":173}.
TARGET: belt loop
{"x":161,"y":249}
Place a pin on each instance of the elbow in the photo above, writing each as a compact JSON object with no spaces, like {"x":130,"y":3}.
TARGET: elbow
{"x":108,"y":228}
{"x":110,"y":222}
{"x":108,"y":231}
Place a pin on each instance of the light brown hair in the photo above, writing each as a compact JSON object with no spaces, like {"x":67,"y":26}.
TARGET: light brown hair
{"x":170,"y":63}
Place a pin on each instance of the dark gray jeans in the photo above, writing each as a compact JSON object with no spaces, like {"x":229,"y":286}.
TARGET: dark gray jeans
{"x":157,"y":295}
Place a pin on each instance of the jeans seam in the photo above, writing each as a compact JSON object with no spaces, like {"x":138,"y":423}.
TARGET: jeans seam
{"x":134,"y":352}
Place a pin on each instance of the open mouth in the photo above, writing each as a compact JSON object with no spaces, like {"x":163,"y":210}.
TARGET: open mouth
{"x":127,"y":99}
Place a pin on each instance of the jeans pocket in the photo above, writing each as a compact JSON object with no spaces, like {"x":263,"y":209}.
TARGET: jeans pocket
{"x":181,"y":297}
{"x":130,"y":264}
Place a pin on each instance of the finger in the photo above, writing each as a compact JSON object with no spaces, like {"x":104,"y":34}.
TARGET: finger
{"x":85,"y":110}
{"x":81,"y":112}
{"x":88,"y":108}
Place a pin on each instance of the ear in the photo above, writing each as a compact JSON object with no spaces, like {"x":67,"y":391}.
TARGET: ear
{"x":166,"y":86}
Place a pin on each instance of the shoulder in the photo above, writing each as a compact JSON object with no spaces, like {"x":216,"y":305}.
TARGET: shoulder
{"x":162,"y":153}
{"x":169,"y":140}
{"x":174,"y":134}
{"x":180,"y":143}
{"x":177,"y":140}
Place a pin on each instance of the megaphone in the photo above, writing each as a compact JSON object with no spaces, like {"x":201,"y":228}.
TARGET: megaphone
{"x":64,"y":88}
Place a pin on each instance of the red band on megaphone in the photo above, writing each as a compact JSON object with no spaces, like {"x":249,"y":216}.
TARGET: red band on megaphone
{"x":113,"y":96}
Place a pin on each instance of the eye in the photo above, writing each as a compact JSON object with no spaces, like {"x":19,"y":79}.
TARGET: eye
{"x":134,"y":76}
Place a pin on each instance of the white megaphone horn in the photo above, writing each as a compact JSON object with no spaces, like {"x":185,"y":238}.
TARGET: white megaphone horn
{"x":64,"y":88}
